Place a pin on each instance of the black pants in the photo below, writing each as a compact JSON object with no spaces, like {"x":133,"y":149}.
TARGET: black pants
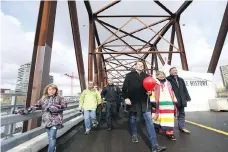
{"x":110,"y":113}
{"x":118,"y":104}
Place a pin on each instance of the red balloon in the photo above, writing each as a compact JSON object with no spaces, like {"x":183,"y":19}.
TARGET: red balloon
{"x":149,"y":83}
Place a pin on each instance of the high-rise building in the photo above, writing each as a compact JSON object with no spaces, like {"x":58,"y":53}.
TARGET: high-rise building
{"x":51,"y":79}
{"x":23,"y":78}
{"x":224,"y":74}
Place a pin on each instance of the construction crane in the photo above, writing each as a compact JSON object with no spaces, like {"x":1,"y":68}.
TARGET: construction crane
{"x":72,"y":77}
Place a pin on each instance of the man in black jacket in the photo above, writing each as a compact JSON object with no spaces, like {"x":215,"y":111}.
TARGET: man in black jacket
{"x":181,"y":93}
{"x":136,"y":97}
{"x":111,"y":94}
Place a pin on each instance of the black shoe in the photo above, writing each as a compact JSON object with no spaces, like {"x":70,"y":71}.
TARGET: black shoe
{"x":185,"y":131}
{"x":171,"y":137}
{"x":134,"y":139}
{"x":109,"y":129}
{"x":159,"y":149}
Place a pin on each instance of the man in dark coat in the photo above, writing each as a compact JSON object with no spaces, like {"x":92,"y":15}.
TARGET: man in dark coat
{"x":136,"y":97}
{"x":182,"y":96}
{"x":111,"y":94}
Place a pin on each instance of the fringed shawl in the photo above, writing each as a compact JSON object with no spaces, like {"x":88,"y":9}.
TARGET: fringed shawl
{"x":155,"y":97}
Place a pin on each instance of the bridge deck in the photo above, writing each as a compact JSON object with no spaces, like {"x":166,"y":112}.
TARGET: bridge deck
{"x":118,"y":140}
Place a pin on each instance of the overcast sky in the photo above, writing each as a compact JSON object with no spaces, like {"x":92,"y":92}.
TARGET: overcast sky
{"x":202,"y":20}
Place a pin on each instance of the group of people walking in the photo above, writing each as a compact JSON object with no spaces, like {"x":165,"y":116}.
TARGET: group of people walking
{"x":158,"y":107}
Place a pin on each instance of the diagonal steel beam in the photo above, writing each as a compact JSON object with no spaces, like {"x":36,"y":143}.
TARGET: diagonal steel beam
{"x":124,"y":32}
{"x":113,"y":63}
{"x":113,"y":75}
{"x":106,"y":7}
{"x":120,"y":54}
{"x":159,"y":56}
{"x":116,"y":71}
{"x":183,"y":7}
{"x":116,"y":35}
{"x":162,"y":33}
{"x":136,"y":31}
{"x":120,"y":66}
{"x":117,"y":60}
{"x":144,"y":46}
{"x":163,"y":7}
{"x":219,"y":42}
{"x":164,"y":30}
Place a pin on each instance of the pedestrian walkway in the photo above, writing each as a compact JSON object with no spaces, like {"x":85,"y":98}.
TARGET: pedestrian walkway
{"x":119,"y":140}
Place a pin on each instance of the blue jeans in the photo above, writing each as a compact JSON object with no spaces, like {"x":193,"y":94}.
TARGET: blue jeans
{"x":149,"y":127}
{"x":52,"y":132}
{"x":89,"y":115}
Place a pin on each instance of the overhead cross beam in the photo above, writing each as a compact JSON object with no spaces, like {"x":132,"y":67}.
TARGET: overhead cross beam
{"x":144,"y":48}
{"x":132,"y":52}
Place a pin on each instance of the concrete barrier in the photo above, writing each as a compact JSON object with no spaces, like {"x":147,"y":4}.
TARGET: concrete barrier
{"x":218,"y":104}
{"x":39,"y":142}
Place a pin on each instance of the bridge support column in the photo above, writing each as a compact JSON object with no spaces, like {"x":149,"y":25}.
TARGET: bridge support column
{"x":96,"y":70}
{"x":41,"y":57}
{"x":99,"y":67}
{"x":91,"y":49}
{"x":171,"y":46}
{"x":219,"y":43}
{"x":77,"y":43}
{"x":104,"y":76}
{"x":181,"y":46}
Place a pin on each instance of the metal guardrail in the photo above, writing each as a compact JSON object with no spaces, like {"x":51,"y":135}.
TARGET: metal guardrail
{"x":11,"y":106}
{"x":12,"y":119}
{"x":6,"y":111}
{"x":7,"y":108}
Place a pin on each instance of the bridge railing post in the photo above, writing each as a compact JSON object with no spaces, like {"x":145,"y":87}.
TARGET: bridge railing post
{"x":9,"y":129}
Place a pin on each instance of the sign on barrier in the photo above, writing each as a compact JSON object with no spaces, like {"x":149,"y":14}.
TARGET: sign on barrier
{"x":200,"y":88}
